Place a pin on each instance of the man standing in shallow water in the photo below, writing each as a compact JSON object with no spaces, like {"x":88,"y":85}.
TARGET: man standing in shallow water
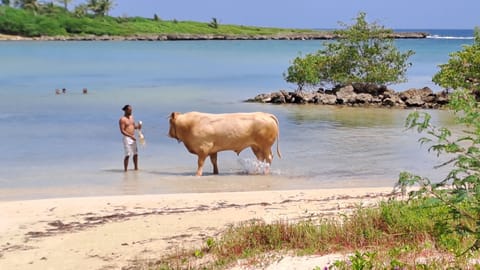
{"x":127,"y":128}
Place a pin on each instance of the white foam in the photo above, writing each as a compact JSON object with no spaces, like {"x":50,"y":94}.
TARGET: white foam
{"x":447,"y":37}
{"x":254,"y":166}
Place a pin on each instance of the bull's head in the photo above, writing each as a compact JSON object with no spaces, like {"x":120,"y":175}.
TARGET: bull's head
{"x":172,"y":132}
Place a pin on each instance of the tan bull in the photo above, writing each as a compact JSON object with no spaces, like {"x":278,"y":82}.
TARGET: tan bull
{"x":205,"y":134}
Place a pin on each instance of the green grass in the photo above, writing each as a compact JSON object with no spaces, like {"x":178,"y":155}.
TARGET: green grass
{"x":59,"y":22}
{"x":392,"y":236}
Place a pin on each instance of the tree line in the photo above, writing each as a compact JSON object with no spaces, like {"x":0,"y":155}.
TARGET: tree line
{"x":95,"y":7}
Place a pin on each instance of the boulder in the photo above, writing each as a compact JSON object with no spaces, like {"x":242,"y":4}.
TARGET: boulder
{"x":346,"y":95}
{"x":369,"y":88}
{"x":327,"y":99}
{"x":412,"y":93}
{"x":415,"y":101}
{"x":278,"y":98}
{"x":363,"y":98}
{"x":393,"y":101}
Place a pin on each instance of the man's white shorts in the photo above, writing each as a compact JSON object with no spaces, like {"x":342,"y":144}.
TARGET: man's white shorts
{"x":130,"y":146}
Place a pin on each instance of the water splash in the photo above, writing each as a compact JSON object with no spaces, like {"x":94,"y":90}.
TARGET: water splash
{"x":254,"y":166}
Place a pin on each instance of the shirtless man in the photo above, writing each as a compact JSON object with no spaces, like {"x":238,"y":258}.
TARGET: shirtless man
{"x":127,"y":128}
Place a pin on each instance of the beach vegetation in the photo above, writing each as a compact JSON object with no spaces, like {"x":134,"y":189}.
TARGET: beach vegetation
{"x":363,"y":53}
{"x":35,"y":19}
{"x":398,"y":234}
{"x":459,"y":191}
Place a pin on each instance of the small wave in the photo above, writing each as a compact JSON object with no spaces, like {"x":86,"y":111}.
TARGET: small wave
{"x":447,"y":37}
{"x":253,"y":166}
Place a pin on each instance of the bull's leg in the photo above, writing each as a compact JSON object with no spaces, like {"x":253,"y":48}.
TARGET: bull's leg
{"x":201,"y":161}
{"x":258,"y":153}
{"x":213,"y":159}
{"x":263,"y":156}
{"x":268,"y":158}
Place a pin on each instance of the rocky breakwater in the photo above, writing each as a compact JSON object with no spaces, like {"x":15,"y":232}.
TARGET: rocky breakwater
{"x":359,"y":95}
{"x":174,"y":37}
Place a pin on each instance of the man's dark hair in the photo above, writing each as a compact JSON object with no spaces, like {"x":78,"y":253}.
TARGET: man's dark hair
{"x":125,"y":107}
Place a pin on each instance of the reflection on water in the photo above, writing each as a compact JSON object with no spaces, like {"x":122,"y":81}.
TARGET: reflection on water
{"x":345,"y":143}
{"x":351,"y":117}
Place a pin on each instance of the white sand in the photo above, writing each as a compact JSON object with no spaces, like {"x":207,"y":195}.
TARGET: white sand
{"x":111,"y":232}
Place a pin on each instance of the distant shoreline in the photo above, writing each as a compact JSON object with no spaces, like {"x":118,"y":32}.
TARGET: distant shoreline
{"x":173,"y":37}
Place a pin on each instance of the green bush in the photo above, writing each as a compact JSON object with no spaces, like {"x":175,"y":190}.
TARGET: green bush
{"x":304,"y":71}
{"x":362,"y":53}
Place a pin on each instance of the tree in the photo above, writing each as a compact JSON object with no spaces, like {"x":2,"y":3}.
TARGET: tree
{"x":65,"y":3}
{"x":213,"y":23}
{"x":460,"y":190}
{"x":361,"y":53}
{"x":106,"y":6}
{"x":6,"y":2}
{"x":462,"y":69}
{"x":304,"y":71}
{"x":100,"y":7}
{"x":27,"y":4}
{"x":80,"y":10}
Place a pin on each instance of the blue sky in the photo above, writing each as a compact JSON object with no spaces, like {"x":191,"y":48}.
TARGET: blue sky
{"x":418,"y":14}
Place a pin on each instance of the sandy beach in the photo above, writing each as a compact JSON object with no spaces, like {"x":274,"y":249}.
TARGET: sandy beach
{"x":113,"y":232}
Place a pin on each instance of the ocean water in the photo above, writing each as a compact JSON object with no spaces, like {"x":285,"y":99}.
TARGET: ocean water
{"x":70,"y":145}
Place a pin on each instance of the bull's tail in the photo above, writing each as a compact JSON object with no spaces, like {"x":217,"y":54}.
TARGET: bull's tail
{"x":278,"y":135}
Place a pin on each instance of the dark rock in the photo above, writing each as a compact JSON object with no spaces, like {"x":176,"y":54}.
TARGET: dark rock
{"x":413,"y":92}
{"x":414,"y":101}
{"x":278,"y":98}
{"x":369,"y":96}
{"x":363,"y":98}
{"x":369,"y":88}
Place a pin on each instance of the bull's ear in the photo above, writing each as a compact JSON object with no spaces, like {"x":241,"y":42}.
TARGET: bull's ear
{"x":173,"y":115}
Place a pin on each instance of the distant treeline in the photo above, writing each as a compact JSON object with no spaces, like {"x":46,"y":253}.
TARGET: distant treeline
{"x":53,"y":20}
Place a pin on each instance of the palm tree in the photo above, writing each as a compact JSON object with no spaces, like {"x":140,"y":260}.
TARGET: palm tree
{"x":81,"y":10}
{"x":27,"y":4}
{"x":106,"y":6}
{"x":213,"y":23}
{"x":100,"y":7}
{"x":65,"y":3}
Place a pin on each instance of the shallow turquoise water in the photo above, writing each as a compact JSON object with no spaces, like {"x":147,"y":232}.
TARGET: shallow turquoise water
{"x":70,"y":145}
